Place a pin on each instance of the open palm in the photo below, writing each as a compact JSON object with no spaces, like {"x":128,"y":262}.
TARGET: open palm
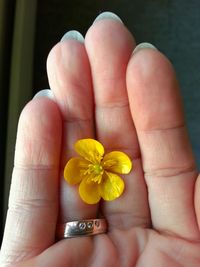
{"x":129,"y":103}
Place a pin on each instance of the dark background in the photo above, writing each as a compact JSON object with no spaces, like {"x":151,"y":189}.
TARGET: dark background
{"x":29,"y":29}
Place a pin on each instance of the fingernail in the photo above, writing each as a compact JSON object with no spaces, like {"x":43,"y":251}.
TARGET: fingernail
{"x":108,"y":15}
{"x":144,"y":45}
{"x":75,"y":35}
{"x":45,"y":93}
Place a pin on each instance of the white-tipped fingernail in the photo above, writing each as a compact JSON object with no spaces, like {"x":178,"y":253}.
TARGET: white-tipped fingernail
{"x":75,"y":35}
{"x":144,"y":45}
{"x":45,"y":93}
{"x":108,"y":15}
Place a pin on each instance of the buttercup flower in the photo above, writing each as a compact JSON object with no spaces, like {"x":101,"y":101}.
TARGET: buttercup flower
{"x":96,"y":172}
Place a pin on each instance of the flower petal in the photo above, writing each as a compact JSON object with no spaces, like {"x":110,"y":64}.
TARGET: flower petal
{"x":89,"y":192}
{"x":118,"y":162}
{"x":90,"y":149}
{"x":111,"y":187}
{"x":73,"y":172}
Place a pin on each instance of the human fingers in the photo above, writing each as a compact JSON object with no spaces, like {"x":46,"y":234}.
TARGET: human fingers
{"x":167,"y":158}
{"x":70,"y":80}
{"x":109,"y":46}
{"x":197,"y":199}
{"x":33,"y":202}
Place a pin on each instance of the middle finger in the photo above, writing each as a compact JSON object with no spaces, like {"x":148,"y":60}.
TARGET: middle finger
{"x":109,"y":46}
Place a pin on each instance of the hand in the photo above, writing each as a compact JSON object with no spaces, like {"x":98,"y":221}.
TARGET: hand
{"x":129,"y":103}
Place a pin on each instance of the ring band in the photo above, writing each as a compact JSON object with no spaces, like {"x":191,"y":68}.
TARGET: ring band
{"x":81,"y":228}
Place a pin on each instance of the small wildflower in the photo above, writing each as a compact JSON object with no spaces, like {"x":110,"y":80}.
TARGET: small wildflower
{"x":96,"y":172}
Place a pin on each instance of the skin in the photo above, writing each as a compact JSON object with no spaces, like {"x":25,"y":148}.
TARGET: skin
{"x":129,"y":102}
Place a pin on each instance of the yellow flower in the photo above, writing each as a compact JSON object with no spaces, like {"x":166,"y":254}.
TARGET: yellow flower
{"x":96,"y":172}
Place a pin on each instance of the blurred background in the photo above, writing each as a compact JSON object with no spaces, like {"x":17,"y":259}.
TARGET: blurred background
{"x":29,"y":29}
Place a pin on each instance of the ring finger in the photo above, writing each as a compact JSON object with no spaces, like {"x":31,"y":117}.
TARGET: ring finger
{"x":69,"y":77}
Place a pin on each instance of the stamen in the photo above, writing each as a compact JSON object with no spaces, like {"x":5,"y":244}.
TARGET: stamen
{"x":109,"y":163}
{"x":95,"y":172}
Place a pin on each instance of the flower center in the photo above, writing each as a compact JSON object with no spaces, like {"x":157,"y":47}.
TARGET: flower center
{"x":97,"y":169}
{"x":94,"y":172}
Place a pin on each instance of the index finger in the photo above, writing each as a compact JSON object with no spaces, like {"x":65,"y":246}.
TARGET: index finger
{"x":168,"y":161}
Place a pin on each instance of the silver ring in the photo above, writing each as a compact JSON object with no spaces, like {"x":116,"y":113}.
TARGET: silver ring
{"x":81,"y":228}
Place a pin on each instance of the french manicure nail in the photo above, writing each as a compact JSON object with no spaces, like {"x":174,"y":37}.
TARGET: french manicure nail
{"x":108,"y":15}
{"x":75,"y":35}
{"x":144,"y":45}
{"x":45,"y":93}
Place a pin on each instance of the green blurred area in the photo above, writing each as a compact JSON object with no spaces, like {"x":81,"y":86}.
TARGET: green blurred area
{"x":16,"y":72}
{"x":30,"y":28}
{"x":6,"y":32}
